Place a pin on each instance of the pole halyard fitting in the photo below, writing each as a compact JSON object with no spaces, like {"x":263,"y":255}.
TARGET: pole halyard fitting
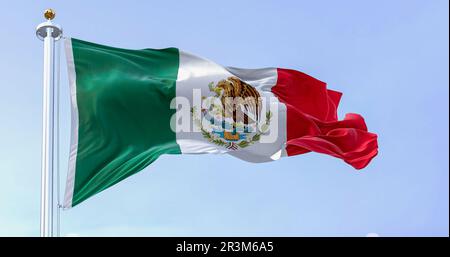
{"x":42,"y":29}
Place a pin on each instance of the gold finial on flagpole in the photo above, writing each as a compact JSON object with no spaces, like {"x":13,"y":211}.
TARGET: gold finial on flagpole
{"x":49,"y":14}
{"x":42,"y":29}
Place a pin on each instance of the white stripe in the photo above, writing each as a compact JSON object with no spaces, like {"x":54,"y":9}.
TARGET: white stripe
{"x":74,"y":140}
{"x":196,"y":73}
{"x":263,"y":79}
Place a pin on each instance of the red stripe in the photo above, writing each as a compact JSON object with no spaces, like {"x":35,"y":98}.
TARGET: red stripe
{"x":312,"y":123}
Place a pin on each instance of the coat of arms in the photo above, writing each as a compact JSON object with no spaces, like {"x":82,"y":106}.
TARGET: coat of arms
{"x":232,"y":117}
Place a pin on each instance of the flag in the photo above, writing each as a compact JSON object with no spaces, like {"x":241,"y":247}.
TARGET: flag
{"x":131,"y":106}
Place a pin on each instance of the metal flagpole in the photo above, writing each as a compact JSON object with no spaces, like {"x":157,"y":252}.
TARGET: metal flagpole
{"x":49,"y":33}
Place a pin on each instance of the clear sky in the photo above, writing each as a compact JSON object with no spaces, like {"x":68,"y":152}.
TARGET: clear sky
{"x":389,"y":58}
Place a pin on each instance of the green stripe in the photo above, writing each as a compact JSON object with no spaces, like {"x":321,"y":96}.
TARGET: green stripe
{"x":123,"y":99}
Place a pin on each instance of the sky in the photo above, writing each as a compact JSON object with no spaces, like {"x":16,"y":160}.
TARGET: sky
{"x":389,"y":58}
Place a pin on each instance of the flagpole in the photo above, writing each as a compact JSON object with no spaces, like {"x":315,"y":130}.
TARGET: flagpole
{"x":49,"y":33}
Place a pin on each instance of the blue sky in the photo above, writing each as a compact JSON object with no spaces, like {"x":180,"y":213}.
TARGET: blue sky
{"x":389,"y":58}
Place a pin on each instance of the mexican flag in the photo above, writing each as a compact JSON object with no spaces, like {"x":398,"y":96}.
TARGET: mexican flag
{"x":131,"y":106}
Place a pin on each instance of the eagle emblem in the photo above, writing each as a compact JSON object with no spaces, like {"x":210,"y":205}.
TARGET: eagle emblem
{"x":232,"y":115}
